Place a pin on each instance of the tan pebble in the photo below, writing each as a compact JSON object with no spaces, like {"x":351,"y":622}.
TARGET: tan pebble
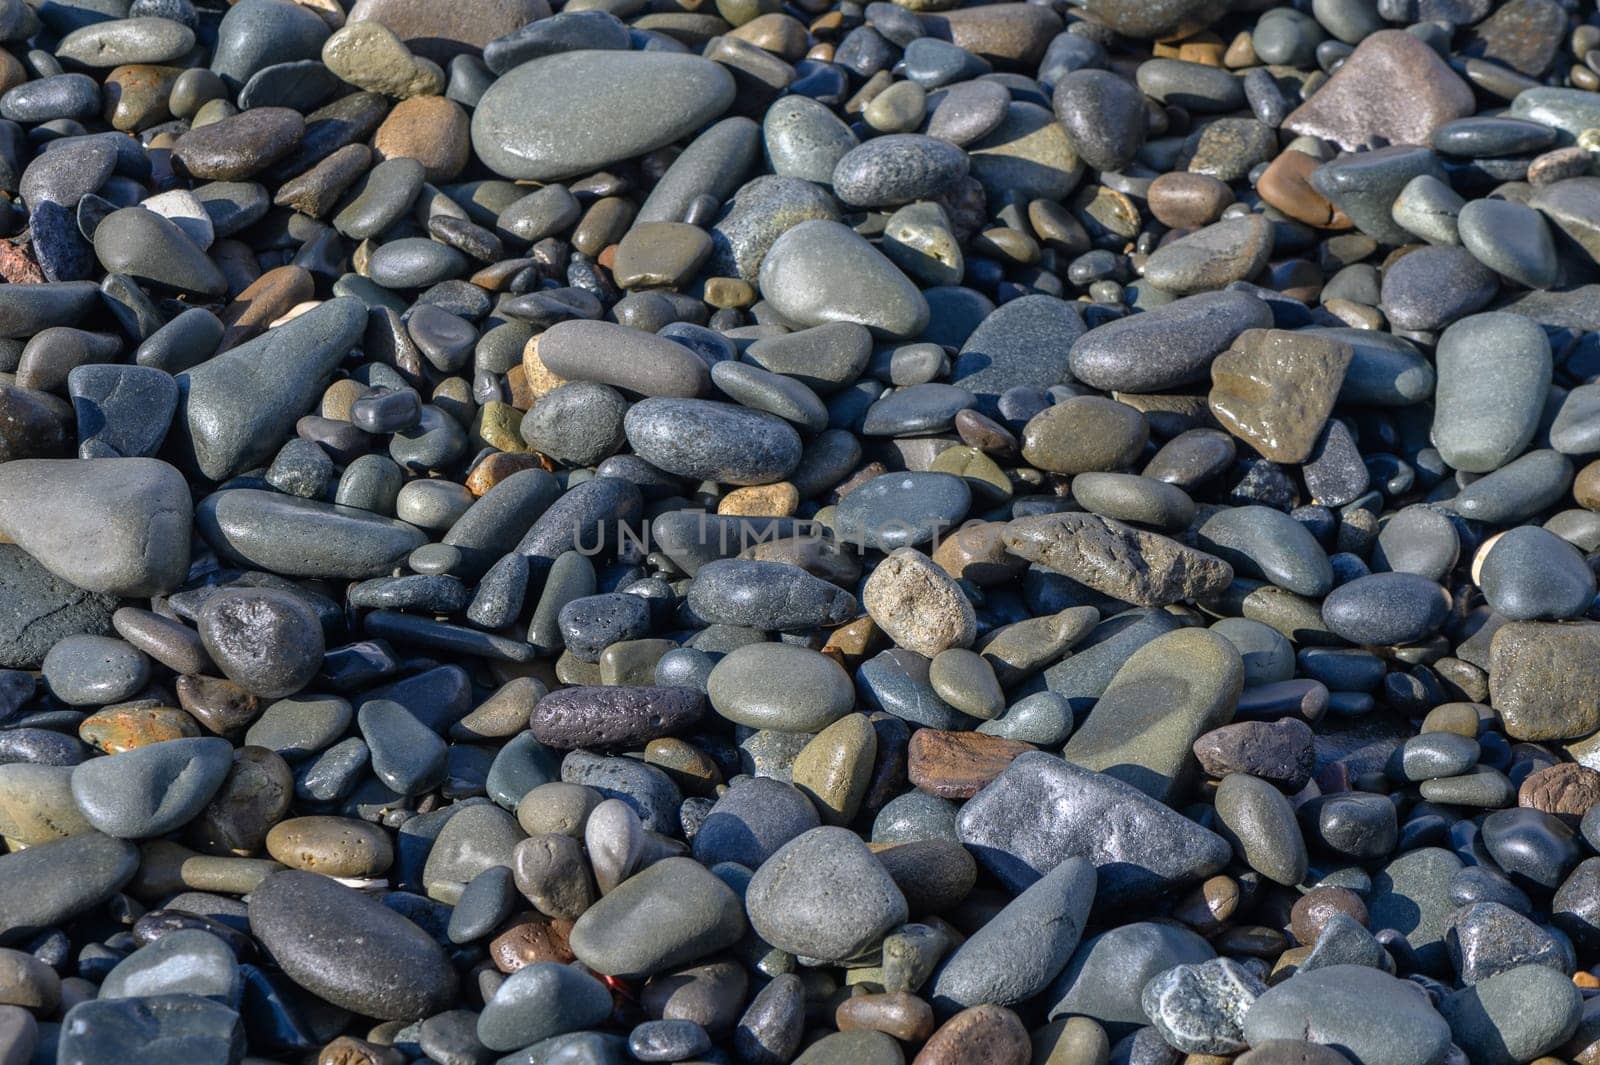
{"x":918,"y":605}
{"x":778,"y":500}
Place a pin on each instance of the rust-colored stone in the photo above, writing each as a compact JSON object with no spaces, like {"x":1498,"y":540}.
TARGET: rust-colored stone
{"x":122,"y":728}
{"x":955,"y":765}
{"x":528,"y":938}
{"x":982,"y":1035}
{"x":1566,"y":790}
{"x":264,"y":301}
{"x":1286,"y":185}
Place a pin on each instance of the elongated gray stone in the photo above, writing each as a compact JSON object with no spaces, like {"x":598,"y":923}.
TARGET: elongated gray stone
{"x":595,"y":108}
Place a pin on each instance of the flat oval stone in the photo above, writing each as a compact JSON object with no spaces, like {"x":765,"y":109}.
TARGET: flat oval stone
{"x":780,"y":686}
{"x":597,"y":109}
{"x":671,"y":913}
{"x":1023,"y":343}
{"x":302,"y":537}
{"x":820,"y":271}
{"x":54,"y":881}
{"x":1384,"y":1021}
{"x":898,"y":510}
{"x":94,"y":670}
{"x":768,"y":596}
{"x":1168,"y":346}
{"x":1194,"y":676}
{"x":1107,"y":973}
{"x":1234,"y":249}
{"x":896,"y":169}
{"x":624,"y":358}
{"x":1432,"y":287}
{"x":1008,"y":961}
{"x":1085,"y":434}
{"x":1488,"y":406}
{"x":797,"y":898}
{"x":349,"y":948}
{"x":540,"y":1001}
{"x":710,"y":441}
{"x":751,"y":820}
{"x":1531,"y":574}
{"x":1386,"y":608}
{"x":185,"y":962}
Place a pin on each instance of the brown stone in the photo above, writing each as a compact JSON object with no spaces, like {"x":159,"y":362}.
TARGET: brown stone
{"x":338,"y":398}
{"x":782,"y":35}
{"x":1278,"y":751}
{"x":955,"y":765}
{"x":332,"y":846}
{"x":442,"y":31}
{"x":1393,"y":87}
{"x":604,"y":223}
{"x":17,"y":264}
{"x":1559,"y":164}
{"x":1008,"y":34}
{"x":1566,"y":790}
{"x":1135,"y":566}
{"x":136,"y":96}
{"x":854,"y":643}
{"x":1522,"y":34}
{"x":897,"y":1013}
{"x":1586,"y":486}
{"x":1187,"y":201}
{"x":977,"y":553}
{"x":264,"y":301}
{"x":122,"y":728}
{"x":1208,"y":907}
{"x":348,"y":1050}
{"x":430,"y":129}
{"x":497,"y":467}
{"x":529,"y":938}
{"x":1544,"y":679}
{"x":982,"y":1035}
{"x":1313,"y":910}
{"x":220,"y":705}
{"x":537,"y":380}
{"x":1274,"y":389}
{"x":1286,"y":185}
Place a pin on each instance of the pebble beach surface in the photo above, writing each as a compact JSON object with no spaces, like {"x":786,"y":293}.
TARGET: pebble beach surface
{"x":750,"y":532}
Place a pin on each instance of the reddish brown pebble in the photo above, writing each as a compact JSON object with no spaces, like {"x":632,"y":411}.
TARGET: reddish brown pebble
{"x":529,"y":938}
{"x":955,"y":765}
{"x":1285,"y":185}
{"x":1566,"y":790}
{"x":1188,"y":201}
{"x":1316,"y":907}
{"x":902,"y":1015}
{"x":982,"y":1035}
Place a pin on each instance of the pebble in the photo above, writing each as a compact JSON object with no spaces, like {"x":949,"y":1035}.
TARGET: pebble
{"x":1136,"y":452}
{"x":794,"y":899}
{"x":650,"y":99}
